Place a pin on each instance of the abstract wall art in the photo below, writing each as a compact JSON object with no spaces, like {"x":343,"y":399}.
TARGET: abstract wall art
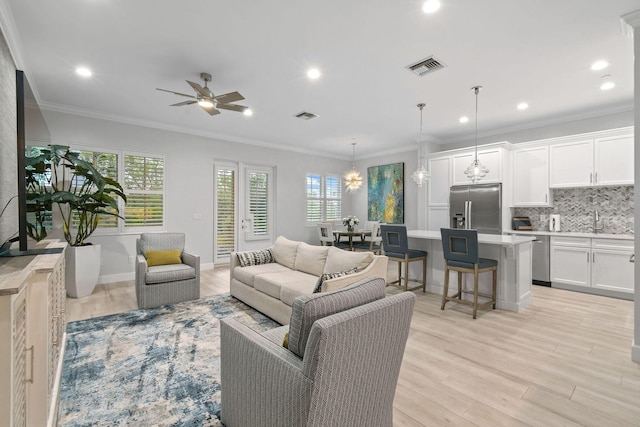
{"x":385,"y":191}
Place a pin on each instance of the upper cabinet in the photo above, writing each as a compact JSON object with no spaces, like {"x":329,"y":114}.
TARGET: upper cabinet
{"x":531,"y":176}
{"x":490,"y":158}
{"x":440,"y":168}
{"x":600,"y":161}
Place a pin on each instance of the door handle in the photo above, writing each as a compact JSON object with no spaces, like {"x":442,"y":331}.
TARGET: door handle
{"x":30,"y":379}
{"x":632,"y":258}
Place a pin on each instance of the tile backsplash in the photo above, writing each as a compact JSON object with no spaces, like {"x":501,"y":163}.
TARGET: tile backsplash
{"x":577,"y":206}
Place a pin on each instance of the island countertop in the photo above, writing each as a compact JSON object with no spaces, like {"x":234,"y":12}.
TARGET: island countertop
{"x":489,"y":239}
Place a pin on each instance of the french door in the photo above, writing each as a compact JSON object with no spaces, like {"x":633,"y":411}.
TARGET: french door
{"x":243,"y":208}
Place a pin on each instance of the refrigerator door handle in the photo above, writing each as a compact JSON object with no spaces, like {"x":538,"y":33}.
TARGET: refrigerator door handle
{"x":467,"y":206}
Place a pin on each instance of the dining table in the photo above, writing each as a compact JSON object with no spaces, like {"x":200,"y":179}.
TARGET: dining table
{"x":338,"y":234}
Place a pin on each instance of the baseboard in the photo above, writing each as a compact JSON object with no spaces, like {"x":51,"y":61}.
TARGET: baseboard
{"x":52,"y":421}
{"x":124,"y":277}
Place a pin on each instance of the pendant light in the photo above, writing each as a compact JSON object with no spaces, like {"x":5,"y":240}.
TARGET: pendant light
{"x":352,"y":179}
{"x":421,"y":174}
{"x":476,"y":171}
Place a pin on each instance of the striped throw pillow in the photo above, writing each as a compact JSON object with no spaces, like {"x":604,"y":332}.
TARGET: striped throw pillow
{"x":248,"y":258}
{"x":327,"y":276}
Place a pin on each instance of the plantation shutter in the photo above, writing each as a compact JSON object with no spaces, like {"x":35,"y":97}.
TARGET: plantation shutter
{"x":324,"y":199}
{"x":333,"y":210}
{"x":314,"y":199}
{"x":107,"y":165}
{"x":259,"y":202}
{"x":225,"y":211}
{"x":144,"y":187}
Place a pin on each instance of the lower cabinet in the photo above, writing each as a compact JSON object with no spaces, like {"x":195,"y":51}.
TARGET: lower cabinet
{"x":594,"y":264}
{"x":32,"y":325}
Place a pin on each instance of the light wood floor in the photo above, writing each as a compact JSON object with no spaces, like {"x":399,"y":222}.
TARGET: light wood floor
{"x":563,"y":361}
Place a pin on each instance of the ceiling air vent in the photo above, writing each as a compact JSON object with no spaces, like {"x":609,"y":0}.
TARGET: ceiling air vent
{"x":425,"y":66}
{"x":306,"y":116}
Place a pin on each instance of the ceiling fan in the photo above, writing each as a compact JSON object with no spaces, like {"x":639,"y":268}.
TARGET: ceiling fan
{"x":208,"y":101}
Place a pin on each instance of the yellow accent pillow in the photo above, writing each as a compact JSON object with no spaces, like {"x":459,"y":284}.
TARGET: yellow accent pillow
{"x":163,"y":257}
{"x":285,"y":341}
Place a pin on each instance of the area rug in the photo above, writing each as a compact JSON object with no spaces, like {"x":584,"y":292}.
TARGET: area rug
{"x":155,"y":367}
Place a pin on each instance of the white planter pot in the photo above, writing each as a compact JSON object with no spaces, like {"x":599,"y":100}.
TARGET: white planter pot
{"x":82,"y":270}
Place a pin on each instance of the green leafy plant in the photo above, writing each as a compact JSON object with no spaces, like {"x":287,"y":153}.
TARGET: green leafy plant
{"x":82,"y":194}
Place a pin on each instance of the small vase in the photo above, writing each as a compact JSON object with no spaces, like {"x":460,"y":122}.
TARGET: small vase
{"x":350,"y":228}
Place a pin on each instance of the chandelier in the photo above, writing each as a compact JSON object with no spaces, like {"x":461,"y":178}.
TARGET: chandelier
{"x":352,"y":179}
{"x":421,"y":174}
{"x":476,"y":170}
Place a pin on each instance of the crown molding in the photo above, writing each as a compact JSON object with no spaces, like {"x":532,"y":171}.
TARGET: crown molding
{"x":629,"y":22}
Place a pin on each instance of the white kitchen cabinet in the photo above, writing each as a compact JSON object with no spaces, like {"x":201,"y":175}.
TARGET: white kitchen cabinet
{"x":614,"y":160}
{"x":531,"y":176}
{"x":440,"y":182}
{"x":571,"y":164}
{"x":596,"y":264}
{"x":438,"y":217}
{"x":603,"y":160}
{"x":490,"y":158}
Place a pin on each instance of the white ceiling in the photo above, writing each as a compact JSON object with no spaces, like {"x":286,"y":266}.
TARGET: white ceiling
{"x":538,"y":51}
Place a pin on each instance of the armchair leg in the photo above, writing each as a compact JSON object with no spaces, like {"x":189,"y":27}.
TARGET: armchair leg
{"x":445,"y":292}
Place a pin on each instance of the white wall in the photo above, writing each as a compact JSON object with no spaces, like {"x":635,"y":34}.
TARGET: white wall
{"x":189,"y":182}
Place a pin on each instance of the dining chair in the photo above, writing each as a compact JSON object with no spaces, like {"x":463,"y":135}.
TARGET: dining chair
{"x":327,"y":238}
{"x":371,"y":243}
{"x":395,"y":244}
{"x":461,"y":255}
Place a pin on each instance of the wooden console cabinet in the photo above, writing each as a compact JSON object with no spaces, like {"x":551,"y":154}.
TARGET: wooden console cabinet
{"x":32,"y":326}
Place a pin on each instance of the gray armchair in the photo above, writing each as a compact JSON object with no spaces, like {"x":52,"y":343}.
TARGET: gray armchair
{"x":165,"y":284}
{"x":340,"y":369}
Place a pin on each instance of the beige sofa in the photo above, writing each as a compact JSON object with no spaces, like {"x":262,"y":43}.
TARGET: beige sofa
{"x":296,"y":270}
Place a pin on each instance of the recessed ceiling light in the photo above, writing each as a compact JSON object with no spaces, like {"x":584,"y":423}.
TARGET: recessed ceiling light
{"x":248,"y":112}
{"x":463,"y":119}
{"x":431,"y":6}
{"x":523,"y":106}
{"x":607,"y":82}
{"x":599,"y":65}
{"x":313,"y":73}
{"x":84,"y":72}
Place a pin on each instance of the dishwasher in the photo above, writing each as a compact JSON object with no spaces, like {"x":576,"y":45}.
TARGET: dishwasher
{"x":540,"y":261}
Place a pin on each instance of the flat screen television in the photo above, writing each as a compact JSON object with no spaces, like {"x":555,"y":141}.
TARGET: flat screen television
{"x":31,"y":126}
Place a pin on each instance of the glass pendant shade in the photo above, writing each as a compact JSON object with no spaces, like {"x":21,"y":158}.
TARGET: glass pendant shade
{"x":352,"y":179}
{"x":421,"y":175}
{"x":476,"y":170}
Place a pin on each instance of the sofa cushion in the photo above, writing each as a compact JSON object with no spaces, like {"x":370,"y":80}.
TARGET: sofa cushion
{"x":284,"y":251}
{"x":306,"y":309}
{"x":292,"y":290}
{"x":340,"y":260}
{"x":311,"y":259}
{"x":248,"y":258}
{"x":247,"y":275}
{"x":271,"y":283}
{"x":328,"y":276}
{"x":169,"y":273}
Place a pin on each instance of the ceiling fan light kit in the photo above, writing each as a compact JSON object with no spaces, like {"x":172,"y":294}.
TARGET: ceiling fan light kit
{"x":209,"y":102}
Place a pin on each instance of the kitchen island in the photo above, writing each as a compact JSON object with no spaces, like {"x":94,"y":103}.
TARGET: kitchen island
{"x":514,"y":266}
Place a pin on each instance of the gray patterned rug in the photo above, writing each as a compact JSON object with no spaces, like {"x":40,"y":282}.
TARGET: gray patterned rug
{"x":156,"y":367}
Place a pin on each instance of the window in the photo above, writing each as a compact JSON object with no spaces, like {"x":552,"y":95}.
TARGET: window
{"x":107,"y":165}
{"x":324,"y":198}
{"x":225,"y":231}
{"x":259,"y":202}
{"x":144,"y":186}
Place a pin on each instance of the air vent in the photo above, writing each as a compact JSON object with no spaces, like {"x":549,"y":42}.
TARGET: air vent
{"x":426,"y":66}
{"x":306,"y":116}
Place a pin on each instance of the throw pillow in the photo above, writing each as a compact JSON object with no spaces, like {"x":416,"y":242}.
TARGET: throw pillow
{"x":264,"y":256}
{"x":340,"y":260}
{"x":285,"y":340}
{"x":284,"y":251}
{"x":327,"y":276}
{"x":155,"y":258}
{"x":311,"y":259}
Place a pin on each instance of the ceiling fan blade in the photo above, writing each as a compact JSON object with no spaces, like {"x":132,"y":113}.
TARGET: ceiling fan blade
{"x":229,"y":97}
{"x":211,"y":110}
{"x":202,"y":91}
{"x":183,"y":103}
{"x":176,"y":93}
{"x":233,"y":107}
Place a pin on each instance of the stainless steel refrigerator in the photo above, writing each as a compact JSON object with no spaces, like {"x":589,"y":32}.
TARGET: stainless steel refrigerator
{"x":477,"y":207}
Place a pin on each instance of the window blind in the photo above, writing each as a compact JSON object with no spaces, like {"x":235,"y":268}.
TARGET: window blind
{"x":225,"y":212}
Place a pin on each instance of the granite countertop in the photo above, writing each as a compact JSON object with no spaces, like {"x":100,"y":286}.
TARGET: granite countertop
{"x":574,"y":234}
{"x":15,"y":271}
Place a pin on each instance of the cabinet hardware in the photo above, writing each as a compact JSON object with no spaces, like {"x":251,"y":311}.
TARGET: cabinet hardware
{"x":632,"y":258}
{"x":593,"y":258}
{"x":587,"y":257}
{"x":591,"y":178}
{"x":30,"y":379}
{"x":596,"y":178}
{"x":545,"y":198}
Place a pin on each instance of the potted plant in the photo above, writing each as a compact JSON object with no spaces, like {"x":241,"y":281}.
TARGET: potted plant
{"x":82,"y":194}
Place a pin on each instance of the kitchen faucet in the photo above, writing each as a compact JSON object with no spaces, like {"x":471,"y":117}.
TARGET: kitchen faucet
{"x":596,"y":219}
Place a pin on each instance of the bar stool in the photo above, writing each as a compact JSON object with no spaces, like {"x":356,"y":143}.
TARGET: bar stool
{"x":396,"y":247}
{"x":461,"y":254}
